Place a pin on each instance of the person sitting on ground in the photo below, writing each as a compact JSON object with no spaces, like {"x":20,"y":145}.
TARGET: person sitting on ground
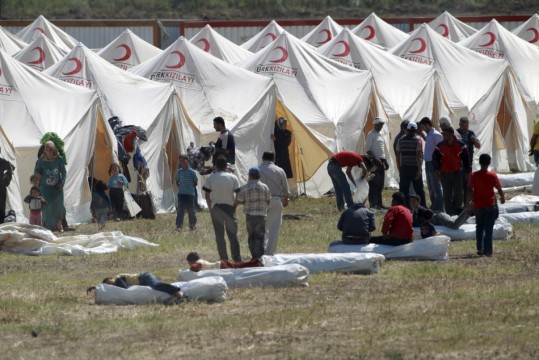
{"x":356,"y":224}
{"x":397,"y":226}
{"x":426,"y":228}
{"x":438,"y":218}
{"x":197,"y":264}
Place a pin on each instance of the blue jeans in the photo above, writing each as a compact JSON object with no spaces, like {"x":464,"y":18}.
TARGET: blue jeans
{"x":256,"y":231}
{"x":186,"y":203}
{"x":148,"y":279}
{"x":435,"y":188}
{"x":484,"y":220}
{"x":340,"y":185}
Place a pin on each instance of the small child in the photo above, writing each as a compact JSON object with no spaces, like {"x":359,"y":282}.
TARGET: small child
{"x":34,"y":180}
{"x":100,"y":204}
{"x":36,"y":203}
{"x":426,"y":228}
{"x":197,"y":264}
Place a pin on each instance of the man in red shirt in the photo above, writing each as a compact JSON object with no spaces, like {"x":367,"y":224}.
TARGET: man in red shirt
{"x":339,"y":160}
{"x":397,"y":226}
{"x":481,"y":187}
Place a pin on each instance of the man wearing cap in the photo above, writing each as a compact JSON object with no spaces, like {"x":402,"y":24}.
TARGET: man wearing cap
{"x":347,"y":159}
{"x":375,"y":148}
{"x":409,"y":162}
{"x":469,"y":138}
{"x":255,"y":197}
{"x":435,"y":188}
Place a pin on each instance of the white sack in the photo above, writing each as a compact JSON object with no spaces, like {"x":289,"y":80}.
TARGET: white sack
{"x":209,"y":289}
{"x":502,"y":231}
{"x":517,"y":179}
{"x":282,"y":275}
{"x":433,"y":248}
{"x":363,"y":263}
{"x":522,"y":217}
{"x":527,"y":199}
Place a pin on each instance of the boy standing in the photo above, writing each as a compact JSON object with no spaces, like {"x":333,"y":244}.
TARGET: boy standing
{"x":186,"y":179}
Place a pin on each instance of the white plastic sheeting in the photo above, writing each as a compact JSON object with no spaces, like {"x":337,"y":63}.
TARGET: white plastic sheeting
{"x":34,"y":240}
{"x":433,"y":248}
{"x":363,"y":263}
{"x":277,"y":276}
{"x":531,"y":217}
{"x":517,"y":179}
{"x":208,"y":289}
{"x":502,"y":231}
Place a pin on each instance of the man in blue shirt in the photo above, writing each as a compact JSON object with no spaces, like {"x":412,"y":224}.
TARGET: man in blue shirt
{"x":186,"y":179}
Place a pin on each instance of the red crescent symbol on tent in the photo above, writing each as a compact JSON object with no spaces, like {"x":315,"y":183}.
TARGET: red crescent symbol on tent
{"x":371,"y":32}
{"x":328,"y":36}
{"x":78,"y":67}
{"x":272,"y":35}
{"x":40,"y":30}
{"x":127,"y":52}
{"x":283,"y":57}
{"x":41,"y":57}
{"x":422,"y":47}
{"x":206,"y":43}
{"x":491,"y":40}
{"x":180,"y":63}
{"x":535,"y":35}
{"x":445,"y":33}
{"x":346,"y":50}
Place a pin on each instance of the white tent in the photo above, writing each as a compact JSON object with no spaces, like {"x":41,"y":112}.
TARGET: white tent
{"x":379,"y":32}
{"x":33,"y":104}
{"x":128,"y":50}
{"x":210,"y":87}
{"x":451,"y":28}
{"x":8,"y":152}
{"x":529,"y":30}
{"x":473,"y":85}
{"x":216,"y":44}
{"x":264,"y":37}
{"x":43,"y":26}
{"x":40,"y":54}
{"x":324,"y":32}
{"x":9,"y":42}
{"x":136,"y":101}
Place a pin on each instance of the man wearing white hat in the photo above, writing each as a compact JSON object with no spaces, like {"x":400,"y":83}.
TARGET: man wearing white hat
{"x":375,"y":148}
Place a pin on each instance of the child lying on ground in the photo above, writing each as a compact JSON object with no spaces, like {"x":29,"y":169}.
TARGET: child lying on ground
{"x":197,"y":264}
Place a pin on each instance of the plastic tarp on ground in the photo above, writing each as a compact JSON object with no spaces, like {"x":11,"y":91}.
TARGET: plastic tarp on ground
{"x":433,"y":248}
{"x":219,"y":46}
{"x":212,"y":288}
{"x":276,"y":276}
{"x":41,"y":53}
{"x":379,"y":32}
{"x":361,"y":263}
{"x":451,"y":28}
{"x":43,"y":26}
{"x":34,"y":240}
{"x":323,"y":32}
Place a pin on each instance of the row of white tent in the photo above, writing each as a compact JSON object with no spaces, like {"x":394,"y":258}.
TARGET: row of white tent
{"x":328,"y":94}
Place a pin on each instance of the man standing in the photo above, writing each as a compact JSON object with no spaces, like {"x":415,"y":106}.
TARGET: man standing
{"x":469,"y":138}
{"x":6,"y":173}
{"x":255,"y":197}
{"x":435,"y":188}
{"x":451,"y":160}
{"x":282,"y":138}
{"x":481,"y":188}
{"x":225,"y":144}
{"x":356,"y":224}
{"x":340,"y":184}
{"x":375,"y":148}
{"x":534,"y":144}
{"x":397,"y":226}
{"x":220,"y":191}
{"x":275,"y":178}
{"x":187,"y":181}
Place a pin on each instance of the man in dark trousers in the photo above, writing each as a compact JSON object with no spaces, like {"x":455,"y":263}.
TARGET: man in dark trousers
{"x":347,"y":159}
{"x":356,"y":224}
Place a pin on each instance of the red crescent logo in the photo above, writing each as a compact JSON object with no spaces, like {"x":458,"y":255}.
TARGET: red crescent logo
{"x":328,"y":36}
{"x":346,"y":50}
{"x":445,"y":28}
{"x":283,"y":57}
{"x":206,"y":43}
{"x":127,"y":52}
{"x":41,"y":57}
{"x":78,"y":67}
{"x":272,"y":35}
{"x":40,"y":30}
{"x":535,"y":35}
{"x":422,"y":47}
{"x":371,"y":32}
{"x":492,"y":38}
{"x":180,"y":63}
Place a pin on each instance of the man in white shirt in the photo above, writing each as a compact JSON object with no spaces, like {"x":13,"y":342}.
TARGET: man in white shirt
{"x":375,"y":148}
{"x":434,"y":137}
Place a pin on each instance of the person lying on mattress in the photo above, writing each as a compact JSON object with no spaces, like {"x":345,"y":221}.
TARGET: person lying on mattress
{"x":197,"y":264}
{"x":397,"y":226}
{"x":144,"y":279}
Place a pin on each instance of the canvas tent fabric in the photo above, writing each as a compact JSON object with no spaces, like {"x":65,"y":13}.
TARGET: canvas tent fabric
{"x":451,"y":28}
{"x":43,"y":26}
{"x":9,"y":42}
{"x":41,"y":53}
{"x":7,"y":152}
{"x":136,"y":101}
{"x":128,"y":50}
{"x":529,"y":30}
{"x":323,"y":32}
{"x":34,"y":104}
{"x":379,"y":32}
{"x":264,"y":37}
{"x":476,"y":86}
{"x":216,"y":44}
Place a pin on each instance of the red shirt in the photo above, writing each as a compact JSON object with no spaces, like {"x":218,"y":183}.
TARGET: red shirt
{"x":451,"y":160}
{"x":483,"y":183}
{"x":347,"y":158}
{"x":398,"y":223}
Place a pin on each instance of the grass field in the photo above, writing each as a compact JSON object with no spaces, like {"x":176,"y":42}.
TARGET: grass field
{"x":464,"y":308}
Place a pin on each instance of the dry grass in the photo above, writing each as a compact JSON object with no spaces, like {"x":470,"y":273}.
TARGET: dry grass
{"x":467,"y":307}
